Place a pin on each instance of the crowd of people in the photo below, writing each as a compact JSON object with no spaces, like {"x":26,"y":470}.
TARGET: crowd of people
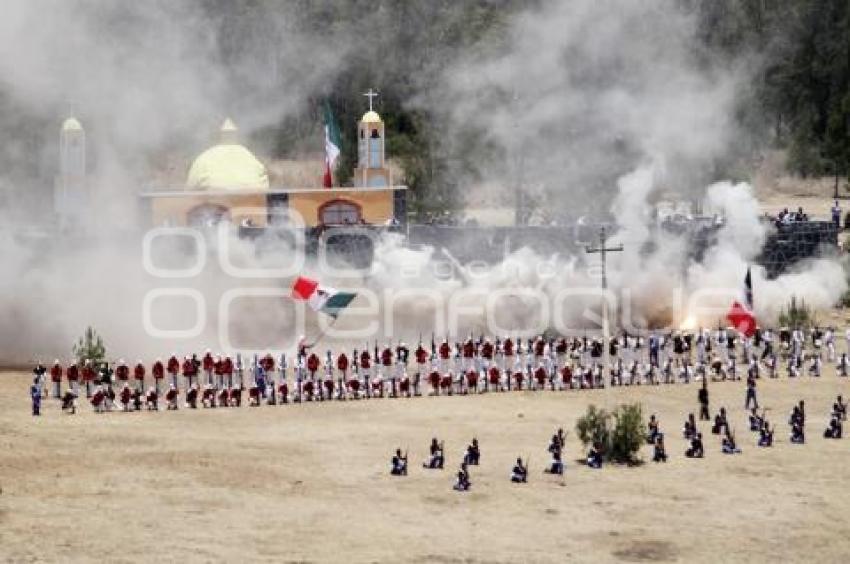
{"x":786,"y":217}
{"x":478,"y":366}
{"x":445,"y":368}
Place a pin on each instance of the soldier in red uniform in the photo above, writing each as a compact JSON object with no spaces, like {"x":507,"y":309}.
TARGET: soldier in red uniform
{"x":73,"y":375}
{"x":152,"y":400}
{"x":158,"y":371}
{"x":98,"y":399}
{"x":365,"y":365}
{"x":387,"y":363}
{"x":507,"y":354}
{"x":207,"y":363}
{"x":487,"y":353}
{"x":445,"y":355}
{"x":312,"y":368}
{"x":88,"y":377}
{"x":446,"y":381}
{"x":56,"y":378}
{"x":173,"y":368}
{"x":124,"y":397}
{"x":268,"y":364}
{"x":218,"y":370}
{"x":171,"y":397}
{"x":227,"y":371}
{"x":190,"y":371}
{"x":494,"y":378}
{"x":421,"y":356}
{"x":471,"y":381}
{"x":540,"y":377}
{"x":122,"y":372}
{"x":434,"y":379}
{"x":567,"y":377}
{"x":468,"y":354}
{"x":139,"y":375}
{"x":342,"y":368}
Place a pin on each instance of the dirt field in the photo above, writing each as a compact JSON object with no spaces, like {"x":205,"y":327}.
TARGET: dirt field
{"x":310,"y":483}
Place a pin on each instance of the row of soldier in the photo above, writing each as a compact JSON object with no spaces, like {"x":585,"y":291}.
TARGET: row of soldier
{"x":468,"y":367}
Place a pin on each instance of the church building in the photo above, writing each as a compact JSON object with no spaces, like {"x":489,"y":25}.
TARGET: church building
{"x":227,"y":182}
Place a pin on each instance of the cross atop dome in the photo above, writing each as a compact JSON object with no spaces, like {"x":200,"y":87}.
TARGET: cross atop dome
{"x":371,"y":94}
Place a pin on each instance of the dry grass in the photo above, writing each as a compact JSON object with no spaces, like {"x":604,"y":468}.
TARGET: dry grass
{"x":309,"y":483}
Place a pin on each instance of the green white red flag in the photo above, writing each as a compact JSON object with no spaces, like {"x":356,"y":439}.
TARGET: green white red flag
{"x":329,"y":301}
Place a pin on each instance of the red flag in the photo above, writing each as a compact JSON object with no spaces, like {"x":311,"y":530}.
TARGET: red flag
{"x":742,"y":319}
{"x":303,"y":288}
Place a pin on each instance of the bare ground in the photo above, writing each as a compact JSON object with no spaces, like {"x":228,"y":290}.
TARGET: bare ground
{"x":309,"y":483}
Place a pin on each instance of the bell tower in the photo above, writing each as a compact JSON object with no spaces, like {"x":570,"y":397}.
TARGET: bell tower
{"x":71,"y":194}
{"x":371,"y":170}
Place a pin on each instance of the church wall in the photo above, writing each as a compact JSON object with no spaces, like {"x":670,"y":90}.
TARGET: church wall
{"x":175,"y":209}
{"x":376,"y":207}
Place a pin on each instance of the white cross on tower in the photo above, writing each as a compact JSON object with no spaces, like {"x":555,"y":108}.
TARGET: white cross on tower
{"x":370,"y":94}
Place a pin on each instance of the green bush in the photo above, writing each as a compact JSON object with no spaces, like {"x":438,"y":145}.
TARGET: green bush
{"x":594,"y":427}
{"x":797,"y":315}
{"x":628,"y":434}
{"x":90,"y":347}
{"x":620,"y":433}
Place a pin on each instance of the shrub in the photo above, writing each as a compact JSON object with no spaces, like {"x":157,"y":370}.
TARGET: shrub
{"x":594,"y":427}
{"x":628,"y":434}
{"x":797,"y":315}
{"x":620,"y":433}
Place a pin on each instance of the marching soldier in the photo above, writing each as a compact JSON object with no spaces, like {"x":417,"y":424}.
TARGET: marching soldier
{"x":190,"y":371}
{"x":208,"y":364}
{"x":158,"y":372}
{"x":421,"y":367}
{"x":73,"y":375}
{"x":365,"y":365}
{"x":468,"y":354}
{"x":122,"y":372}
{"x":386,"y":372}
{"x":445,"y":355}
{"x":56,"y":378}
{"x":88,"y":377}
{"x":139,"y":375}
{"x":227,"y":371}
{"x":508,"y":358}
{"x":218,"y":370}
{"x":173,"y":368}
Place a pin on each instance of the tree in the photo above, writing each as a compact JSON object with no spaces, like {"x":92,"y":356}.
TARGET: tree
{"x":90,"y":347}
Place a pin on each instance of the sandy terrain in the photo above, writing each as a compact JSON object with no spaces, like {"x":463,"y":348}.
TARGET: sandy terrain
{"x":310,"y":483}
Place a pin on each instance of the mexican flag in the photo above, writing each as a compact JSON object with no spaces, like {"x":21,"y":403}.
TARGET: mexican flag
{"x":321,"y":298}
{"x":333,"y":145}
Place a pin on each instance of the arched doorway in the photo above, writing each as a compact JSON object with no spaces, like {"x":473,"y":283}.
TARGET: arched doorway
{"x":207,"y":215}
{"x":339,"y":212}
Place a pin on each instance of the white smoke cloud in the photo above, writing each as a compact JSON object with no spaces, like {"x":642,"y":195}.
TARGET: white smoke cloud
{"x":604,"y":104}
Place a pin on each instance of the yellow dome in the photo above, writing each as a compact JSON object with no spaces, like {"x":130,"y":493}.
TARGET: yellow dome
{"x":71,"y":124}
{"x":371,"y":117}
{"x":227,"y":167}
